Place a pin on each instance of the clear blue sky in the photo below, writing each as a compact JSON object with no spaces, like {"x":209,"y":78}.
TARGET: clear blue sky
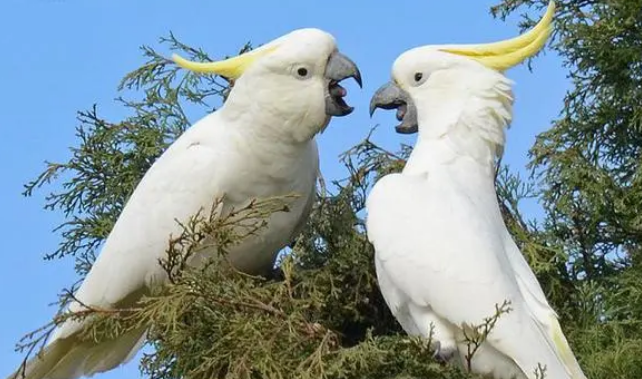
{"x":60,"y":56}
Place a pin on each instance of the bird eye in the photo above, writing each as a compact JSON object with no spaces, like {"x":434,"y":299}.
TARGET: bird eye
{"x":301,"y":71}
{"x":418,"y":76}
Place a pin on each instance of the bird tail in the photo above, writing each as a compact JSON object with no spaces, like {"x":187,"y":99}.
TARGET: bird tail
{"x":71,"y":358}
{"x":563,"y":350}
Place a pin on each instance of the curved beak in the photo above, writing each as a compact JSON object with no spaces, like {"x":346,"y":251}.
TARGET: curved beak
{"x":391,"y":96}
{"x":339,"y":67}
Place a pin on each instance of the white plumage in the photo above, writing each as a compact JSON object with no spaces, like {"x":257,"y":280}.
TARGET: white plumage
{"x":443,"y":255}
{"x":259,"y":144}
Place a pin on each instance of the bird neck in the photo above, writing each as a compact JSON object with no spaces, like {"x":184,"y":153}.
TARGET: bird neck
{"x":462,"y":132}
{"x":443,"y":156}
{"x":272,"y":118}
{"x":256,"y":139}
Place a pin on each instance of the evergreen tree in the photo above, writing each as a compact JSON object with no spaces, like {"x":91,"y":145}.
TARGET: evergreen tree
{"x":587,"y":167}
{"x":321,"y":314}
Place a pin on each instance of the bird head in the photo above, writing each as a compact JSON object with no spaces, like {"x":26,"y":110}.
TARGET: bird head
{"x":427,"y":74}
{"x":292,"y":80}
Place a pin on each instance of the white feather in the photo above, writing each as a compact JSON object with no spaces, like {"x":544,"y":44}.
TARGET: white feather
{"x":259,"y":144}
{"x":443,"y":253}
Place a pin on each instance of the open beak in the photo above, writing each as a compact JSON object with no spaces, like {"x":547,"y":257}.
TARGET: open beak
{"x":391,"y":96}
{"x":339,"y":67}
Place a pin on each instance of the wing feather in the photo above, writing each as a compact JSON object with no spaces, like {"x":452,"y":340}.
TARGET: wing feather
{"x":445,"y":250}
{"x":129,"y":258}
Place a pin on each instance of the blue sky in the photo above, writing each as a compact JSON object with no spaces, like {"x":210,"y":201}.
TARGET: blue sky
{"x":60,"y":56}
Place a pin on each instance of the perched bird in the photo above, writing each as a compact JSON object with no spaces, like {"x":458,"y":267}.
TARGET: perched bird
{"x":444,"y":257}
{"x":259,"y":144}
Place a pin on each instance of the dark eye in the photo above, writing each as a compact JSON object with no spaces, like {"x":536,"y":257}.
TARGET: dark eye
{"x":418,"y":76}
{"x":302,"y":71}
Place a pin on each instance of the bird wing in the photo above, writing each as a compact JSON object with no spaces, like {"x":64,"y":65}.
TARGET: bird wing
{"x":179,"y":184}
{"x":542,"y":313}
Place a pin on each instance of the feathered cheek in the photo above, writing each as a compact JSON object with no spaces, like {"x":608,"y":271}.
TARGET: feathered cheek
{"x":312,"y":119}
{"x":299,"y":115}
{"x":308,"y":108}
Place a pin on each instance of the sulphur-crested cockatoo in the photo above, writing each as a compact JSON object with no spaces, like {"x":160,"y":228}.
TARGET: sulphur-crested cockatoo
{"x":443,"y":255}
{"x":259,"y":144}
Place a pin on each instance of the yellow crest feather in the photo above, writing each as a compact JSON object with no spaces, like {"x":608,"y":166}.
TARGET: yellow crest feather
{"x":503,"y":55}
{"x":231,"y":68}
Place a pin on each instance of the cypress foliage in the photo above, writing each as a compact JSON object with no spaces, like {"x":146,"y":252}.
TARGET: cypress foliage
{"x":320,"y":315}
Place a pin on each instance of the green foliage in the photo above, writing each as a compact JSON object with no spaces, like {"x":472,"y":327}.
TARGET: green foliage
{"x":589,"y":172}
{"x":322,"y":315}
{"x":112,"y":157}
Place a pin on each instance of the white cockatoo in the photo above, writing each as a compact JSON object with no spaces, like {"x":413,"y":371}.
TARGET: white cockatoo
{"x":443,"y":256}
{"x":259,"y":144}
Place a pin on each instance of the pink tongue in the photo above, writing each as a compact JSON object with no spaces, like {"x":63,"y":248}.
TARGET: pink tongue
{"x":401,"y":112}
{"x":338,"y":91}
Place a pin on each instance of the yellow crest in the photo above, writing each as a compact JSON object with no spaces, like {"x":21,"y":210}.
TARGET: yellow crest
{"x":509,"y":53}
{"x":231,"y":68}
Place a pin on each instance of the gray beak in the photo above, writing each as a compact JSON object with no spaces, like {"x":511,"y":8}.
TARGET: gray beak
{"x":390,"y":96}
{"x":339,"y":67}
